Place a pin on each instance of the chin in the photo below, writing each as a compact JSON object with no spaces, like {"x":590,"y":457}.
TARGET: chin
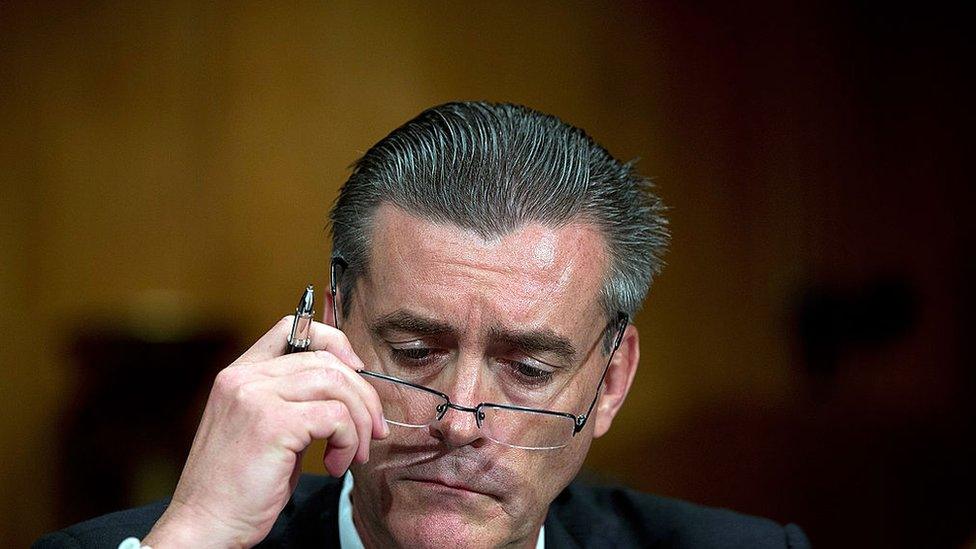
{"x":423,"y":515}
{"x":441,"y":530}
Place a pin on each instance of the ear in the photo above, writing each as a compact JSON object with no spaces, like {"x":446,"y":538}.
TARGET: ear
{"x":620,"y":375}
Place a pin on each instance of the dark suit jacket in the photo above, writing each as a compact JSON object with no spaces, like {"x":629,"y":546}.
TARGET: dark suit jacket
{"x":582,"y":516}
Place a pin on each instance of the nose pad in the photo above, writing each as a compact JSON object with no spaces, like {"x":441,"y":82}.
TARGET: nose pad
{"x":457,"y":426}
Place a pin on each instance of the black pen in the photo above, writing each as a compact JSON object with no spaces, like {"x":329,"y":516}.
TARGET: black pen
{"x":300,"y":337}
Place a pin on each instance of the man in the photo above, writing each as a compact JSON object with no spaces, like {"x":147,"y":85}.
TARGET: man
{"x":487,"y":261}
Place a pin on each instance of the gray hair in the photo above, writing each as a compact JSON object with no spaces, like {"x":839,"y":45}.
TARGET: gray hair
{"x":492,"y":168}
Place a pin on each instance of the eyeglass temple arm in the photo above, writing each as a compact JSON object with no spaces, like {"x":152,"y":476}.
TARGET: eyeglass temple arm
{"x":622,"y":320}
{"x":336,"y":264}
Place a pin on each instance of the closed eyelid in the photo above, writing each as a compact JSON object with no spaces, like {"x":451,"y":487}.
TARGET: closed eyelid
{"x":532,"y":362}
{"x":408,"y":342}
{"x":503,"y":355}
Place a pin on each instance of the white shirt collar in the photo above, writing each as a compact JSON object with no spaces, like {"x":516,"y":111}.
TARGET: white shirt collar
{"x":349,"y":537}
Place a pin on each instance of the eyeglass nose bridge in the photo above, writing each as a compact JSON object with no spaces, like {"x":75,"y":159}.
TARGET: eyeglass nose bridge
{"x":479,"y":415}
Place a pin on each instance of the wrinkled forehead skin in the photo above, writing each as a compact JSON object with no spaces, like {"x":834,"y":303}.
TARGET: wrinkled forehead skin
{"x":535,"y":277}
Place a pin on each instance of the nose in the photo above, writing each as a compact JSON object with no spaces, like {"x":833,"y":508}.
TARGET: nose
{"x":458,"y":425}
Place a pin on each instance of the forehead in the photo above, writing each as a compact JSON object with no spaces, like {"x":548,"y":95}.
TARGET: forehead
{"x":535,"y":275}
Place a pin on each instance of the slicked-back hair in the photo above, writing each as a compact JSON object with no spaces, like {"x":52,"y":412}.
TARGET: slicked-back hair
{"x":492,"y":169}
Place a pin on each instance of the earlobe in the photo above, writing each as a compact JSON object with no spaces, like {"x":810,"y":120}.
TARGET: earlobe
{"x":620,"y":376}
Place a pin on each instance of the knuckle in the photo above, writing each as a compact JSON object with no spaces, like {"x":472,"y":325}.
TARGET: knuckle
{"x":334,"y":377}
{"x":246,"y":394}
{"x":227,"y":380}
{"x":335,"y":412}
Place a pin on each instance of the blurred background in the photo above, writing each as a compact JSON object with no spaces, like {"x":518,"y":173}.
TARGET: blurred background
{"x":167,"y":169}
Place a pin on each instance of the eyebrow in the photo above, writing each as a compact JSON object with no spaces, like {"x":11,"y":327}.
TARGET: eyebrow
{"x":527,"y":341}
{"x":406,"y":321}
{"x":535,"y":341}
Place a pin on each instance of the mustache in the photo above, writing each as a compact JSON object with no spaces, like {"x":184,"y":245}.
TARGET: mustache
{"x":466,"y":467}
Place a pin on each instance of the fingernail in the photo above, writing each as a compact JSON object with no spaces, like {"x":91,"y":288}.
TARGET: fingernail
{"x":386,"y":428}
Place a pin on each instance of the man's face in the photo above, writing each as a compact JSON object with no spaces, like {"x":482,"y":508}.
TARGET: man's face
{"x":448,"y":484}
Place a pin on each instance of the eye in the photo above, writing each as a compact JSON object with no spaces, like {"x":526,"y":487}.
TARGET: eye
{"x":528,"y":374}
{"x":414,"y":353}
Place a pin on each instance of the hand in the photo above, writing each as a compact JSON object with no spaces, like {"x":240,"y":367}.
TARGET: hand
{"x":263,"y":411}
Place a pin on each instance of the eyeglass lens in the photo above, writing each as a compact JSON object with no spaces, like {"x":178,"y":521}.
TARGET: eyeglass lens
{"x":413,"y":407}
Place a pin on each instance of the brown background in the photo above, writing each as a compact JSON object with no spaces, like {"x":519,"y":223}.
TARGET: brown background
{"x":167,"y":170}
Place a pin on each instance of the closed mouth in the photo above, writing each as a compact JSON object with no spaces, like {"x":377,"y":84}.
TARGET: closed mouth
{"x":453,"y":485}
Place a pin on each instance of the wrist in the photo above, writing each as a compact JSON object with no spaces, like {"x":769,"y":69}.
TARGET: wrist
{"x":181,"y":527}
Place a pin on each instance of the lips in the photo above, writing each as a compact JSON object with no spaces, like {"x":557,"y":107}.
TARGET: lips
{"x":464,"y":472}
{"x":455,"y":485}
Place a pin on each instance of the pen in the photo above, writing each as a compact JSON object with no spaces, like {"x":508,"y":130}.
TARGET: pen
{"x":300,"y":337}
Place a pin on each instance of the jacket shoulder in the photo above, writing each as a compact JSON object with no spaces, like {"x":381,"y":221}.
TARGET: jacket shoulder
{"x":105,"y":531}
{"x":598,"y":516}
{"x":313,"y":503}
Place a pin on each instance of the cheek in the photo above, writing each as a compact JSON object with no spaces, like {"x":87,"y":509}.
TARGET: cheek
{"x":542,"y":475}
{"x":565,"y":464}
